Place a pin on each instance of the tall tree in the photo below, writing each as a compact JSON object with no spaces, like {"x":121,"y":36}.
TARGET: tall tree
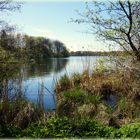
{"x":117,"y":21}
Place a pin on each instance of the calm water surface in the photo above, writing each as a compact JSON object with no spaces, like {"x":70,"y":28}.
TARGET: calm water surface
{"x":39,"y":80}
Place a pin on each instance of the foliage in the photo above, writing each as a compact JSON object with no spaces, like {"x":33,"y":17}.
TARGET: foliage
{"x":40,"y":48}
{"x":110,"y":97}
{"x":56,"y":127}
{"x":30,"y":48}
{"x":101,"y":67}
{"x":117,"y":22}
{"x":75,"y":95}
{"x":130,"y":130}
{"x":8,"y":65}
{"x":18,"y":113}
{"x":80,"y":109}
{"x":82,"y":99}
{"x":63,"y":84}
{"x":75,"y":80}
{"x":96,"y":53}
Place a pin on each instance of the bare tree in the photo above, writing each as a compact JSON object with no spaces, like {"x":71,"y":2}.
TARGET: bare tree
{"x":8,"y":6}
{"x":117,"y":21}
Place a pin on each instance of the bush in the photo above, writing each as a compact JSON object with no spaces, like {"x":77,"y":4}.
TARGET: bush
{"x":64,"y":127}
{"x":75,"y":95}
{"x":118,"y":90}
{"x":128,"y":131}
{"x":9,"y":131}
{"x":20,"y":113}
{"x":63,"y":85}
{"x":69,"y":101}
{"x":75,"y":80}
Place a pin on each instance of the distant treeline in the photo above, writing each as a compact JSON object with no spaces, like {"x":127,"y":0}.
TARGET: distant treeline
{"x":31,"y":48}
{"x":92,"y":53}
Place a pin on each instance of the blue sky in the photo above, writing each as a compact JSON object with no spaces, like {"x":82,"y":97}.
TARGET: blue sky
{"x":49,"y":18}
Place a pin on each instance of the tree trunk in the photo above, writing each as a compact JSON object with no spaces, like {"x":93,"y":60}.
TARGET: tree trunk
{"x":135,"y":50}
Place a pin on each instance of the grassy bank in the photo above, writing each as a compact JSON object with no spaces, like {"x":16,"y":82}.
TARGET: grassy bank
{"x":109,"y":97}
{"x":56,"y":127}
{"x":22,"y":119}
{"x":101,"y":104}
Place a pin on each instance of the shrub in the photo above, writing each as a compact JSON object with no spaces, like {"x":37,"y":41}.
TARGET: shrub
{"x":65,"y":108}
{"x":75,"y":80}
{"x":63,"y":85}
{"x":86,"y":110}
{"x":9,"y":131}
{"x":64,"y":127}
{"x":75,"y":95}
{"x":69,"y":101}
{"x":20,"y":113}
{"x":93,"y":99}
{"x":128,"y":131}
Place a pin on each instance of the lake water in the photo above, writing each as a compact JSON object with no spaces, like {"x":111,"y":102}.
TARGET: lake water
{"x":39,"y":80}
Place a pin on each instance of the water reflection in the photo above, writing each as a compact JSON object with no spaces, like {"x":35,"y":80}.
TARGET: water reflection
{"x":41,"y":68}
{"x":36,"y":82}
{"x":39,"y":80}
{"x":28,"y":82}
{"x":11,"y":88}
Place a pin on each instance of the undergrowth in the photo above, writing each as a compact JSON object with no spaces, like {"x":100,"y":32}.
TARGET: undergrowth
{"x":111,"y":97}
{"x":64,"y":127}
{"x":102,"y":104}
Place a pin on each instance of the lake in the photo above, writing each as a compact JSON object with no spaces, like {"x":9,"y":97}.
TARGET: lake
{"x":39,"y":80}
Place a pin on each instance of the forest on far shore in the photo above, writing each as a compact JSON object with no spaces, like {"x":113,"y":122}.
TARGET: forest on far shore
{"x":31,"y":48}
{"x":96,"y":53}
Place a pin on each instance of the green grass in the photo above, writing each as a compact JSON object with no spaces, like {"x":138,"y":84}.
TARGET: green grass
{"x":64,"y":127}
{"x":75,"y":95}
